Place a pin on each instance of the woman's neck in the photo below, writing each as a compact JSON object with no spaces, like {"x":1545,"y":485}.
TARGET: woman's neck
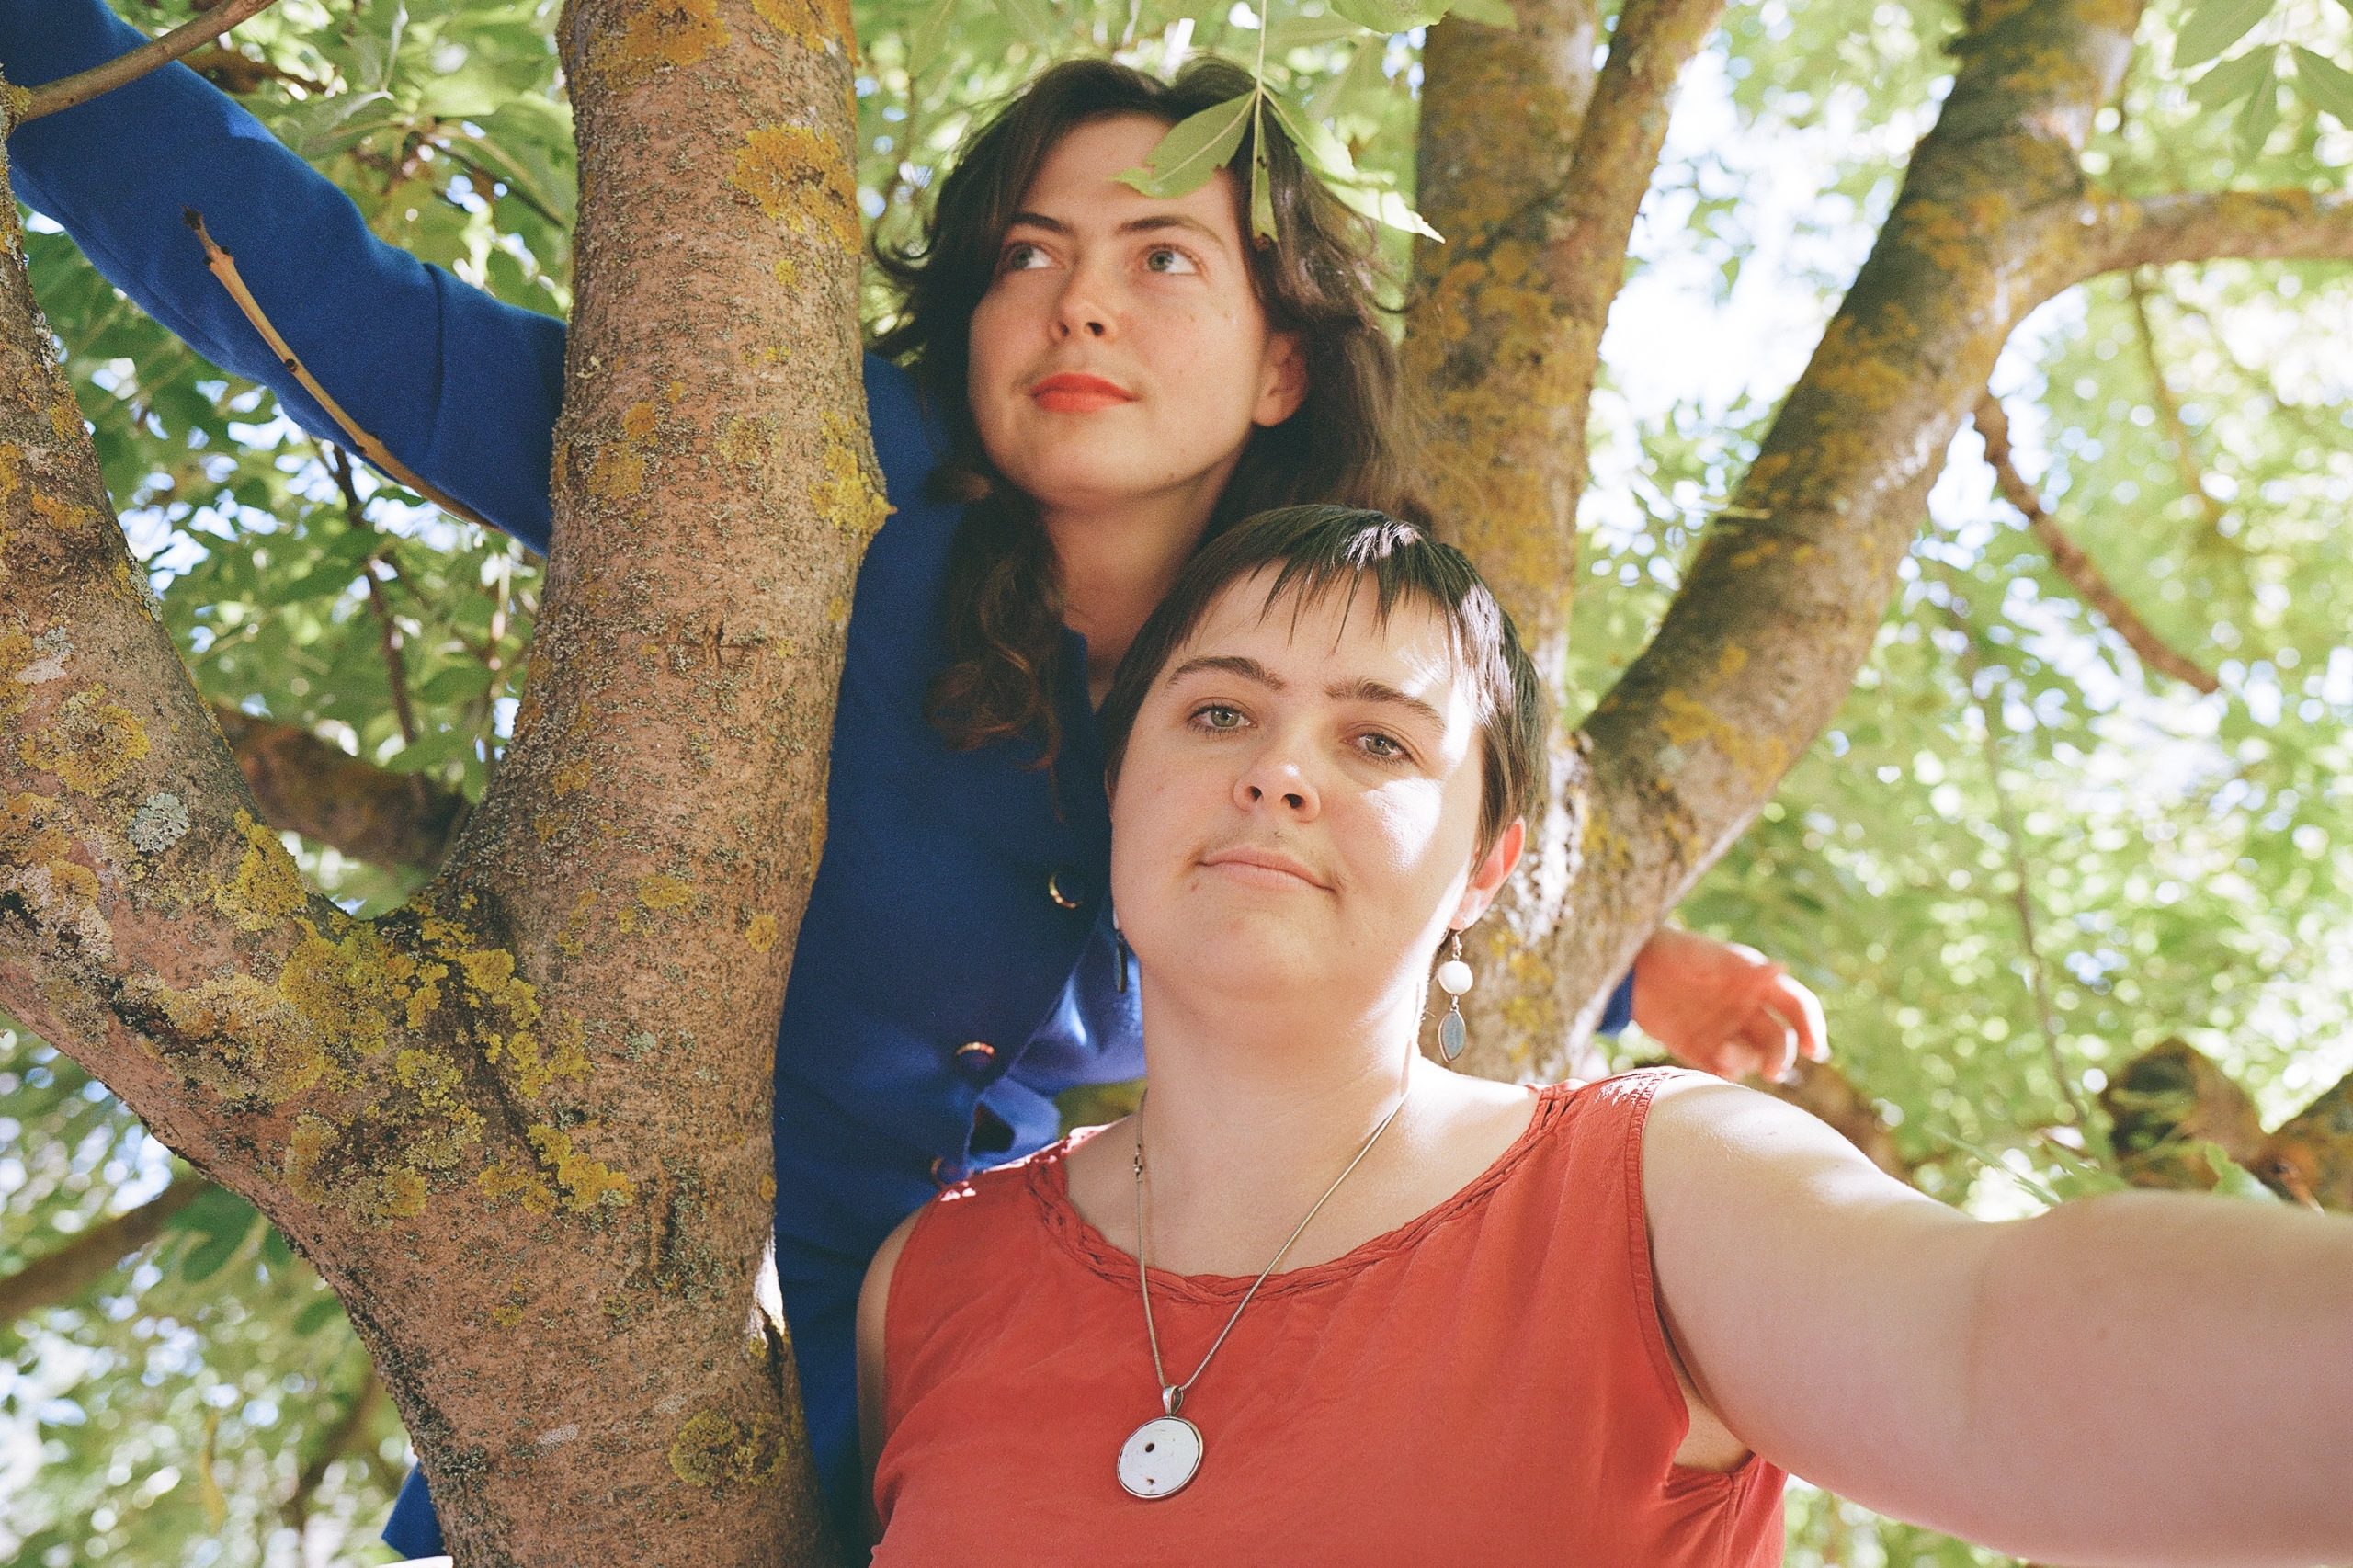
{"x":1252,"y":1115}
{"x":1117,"y":563}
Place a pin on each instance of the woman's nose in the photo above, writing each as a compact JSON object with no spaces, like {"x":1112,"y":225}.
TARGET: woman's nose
{"x":1082,"y":311}
{"x":1276,"y":781}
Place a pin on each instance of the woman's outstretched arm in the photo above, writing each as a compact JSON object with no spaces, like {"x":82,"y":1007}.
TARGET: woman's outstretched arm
{"x":462,"y":388}
{"x":2137,"y":1378}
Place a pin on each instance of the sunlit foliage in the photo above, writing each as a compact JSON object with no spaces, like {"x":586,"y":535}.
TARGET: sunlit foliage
{"x":2183,"y":861}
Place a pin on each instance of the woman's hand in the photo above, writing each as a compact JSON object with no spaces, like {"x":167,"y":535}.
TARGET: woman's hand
{"x":1724,"y":1008}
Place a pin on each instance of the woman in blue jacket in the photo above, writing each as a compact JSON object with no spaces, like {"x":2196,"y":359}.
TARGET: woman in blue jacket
{"x":1095,"y":380}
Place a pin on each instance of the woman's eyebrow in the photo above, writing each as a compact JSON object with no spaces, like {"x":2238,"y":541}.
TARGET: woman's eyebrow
{"x":1249,"y":669}
{"x":1369,"y":691}
{"x":1146,"y":224}
{"x":1362,"y":689}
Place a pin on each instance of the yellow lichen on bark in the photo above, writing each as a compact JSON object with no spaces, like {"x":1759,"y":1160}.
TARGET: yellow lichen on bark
{"x":745,"y":441}
{"x":811,"y":24}
{"x":664,"y":35}
{"x":712,"y":1450}
{"x":1684,"y":720}
{"x":264,"y":889}
{"x":93,"y":742}
{"x":659,"y":891}
{"x":236,"y":1035}
{"x":587,"y":1182}
{"x":761,"y":933}
{"x":847,"y":497}
{"x":505,"y":1179}
{"x":798,"y":174}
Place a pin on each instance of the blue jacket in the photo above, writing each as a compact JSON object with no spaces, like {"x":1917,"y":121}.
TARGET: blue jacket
{"x":954,"y":969}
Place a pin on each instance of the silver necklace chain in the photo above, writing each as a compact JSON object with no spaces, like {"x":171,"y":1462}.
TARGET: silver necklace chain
{"x":1172,"y":1395}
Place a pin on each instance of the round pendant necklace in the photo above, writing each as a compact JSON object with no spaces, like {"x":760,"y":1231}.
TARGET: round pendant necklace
{"x":1165,"y":1453}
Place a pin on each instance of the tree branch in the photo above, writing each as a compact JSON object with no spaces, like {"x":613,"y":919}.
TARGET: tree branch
{"x":2072,"y":564}
{"x":1786,"y":595}
{"x":388,"y":630}
{"x":1502,"y":344}
{"x":2221,"y":225}
{"x":185,"y":39}
{"x":224,"y":266}
{"x":304,"y":785}
{"x":56,"y":1279}
{"x":334,"y":1443}
{"x":2038,"y":980}
{"x":2185,"y":453}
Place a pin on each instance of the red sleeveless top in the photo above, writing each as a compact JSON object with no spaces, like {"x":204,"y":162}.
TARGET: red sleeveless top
{"x":1487,"y":1383}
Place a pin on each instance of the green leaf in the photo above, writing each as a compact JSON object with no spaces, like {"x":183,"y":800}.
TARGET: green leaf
{"x":930,"y":36}
{"x":376,"y":53}
{"x":1361,"y":78}
{"x":1195,"y":148}
{"x":324,"y":127}
{"x":1328,"y":155}
{"x":525,"y":178}
{"x":318,"y":1314}
{"x":1306,"y":32}
{"x":2213,"y":26}
{"x":2325,"y":84}
{"x":1386,"y":207}
{"x":2233,"y":1179}
{"x":2257,"y":118}
{"x":2232,"y":80}
{"x":1324,"y":150}
{"x":275,"y":1249}
{"x":1262,"y":188}
{"x":1033,"y":19}
{"x":1495,"y":14}
{"x":1391,"y":15}
{"x":210,"y":1256}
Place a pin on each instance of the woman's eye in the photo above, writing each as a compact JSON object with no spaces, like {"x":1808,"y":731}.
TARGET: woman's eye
{"x":1168,"y":259}
{"x":1218,"y":716}
{"x":1383,"y":747}
{"x":1017,"y":256}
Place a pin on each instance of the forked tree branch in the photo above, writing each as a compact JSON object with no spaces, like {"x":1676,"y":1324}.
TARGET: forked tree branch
{"x":185,"y":39}
{"x":2250,"y":226}
{"x":2069,"y":560}
{"x":1785,"y":599}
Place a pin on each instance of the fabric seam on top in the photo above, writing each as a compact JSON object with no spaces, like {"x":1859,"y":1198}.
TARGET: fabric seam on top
{"x":1047,"y":1185}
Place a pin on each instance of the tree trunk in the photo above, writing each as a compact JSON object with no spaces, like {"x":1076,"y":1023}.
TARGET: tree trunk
{"x":1502,"y":346}
{"x":521,"y":1125}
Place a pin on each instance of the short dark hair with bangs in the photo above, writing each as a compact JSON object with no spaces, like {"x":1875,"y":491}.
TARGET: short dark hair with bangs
{"x":1316,"y":549}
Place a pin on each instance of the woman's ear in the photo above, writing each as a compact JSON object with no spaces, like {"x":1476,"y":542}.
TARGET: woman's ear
{"x":1282,"y":382}
{"x":1492,"y":872}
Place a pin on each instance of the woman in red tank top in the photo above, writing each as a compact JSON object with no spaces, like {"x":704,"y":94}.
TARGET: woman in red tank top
{"x":1324,"y":1302}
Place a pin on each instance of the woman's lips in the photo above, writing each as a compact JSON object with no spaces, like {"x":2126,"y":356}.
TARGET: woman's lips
{"x":1263,"y":868}
{"x":1078,"y":395}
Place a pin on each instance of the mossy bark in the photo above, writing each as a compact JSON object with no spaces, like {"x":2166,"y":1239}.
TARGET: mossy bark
{"x":1783,"y":603}
{"x":521,"y":1125}
{"x":1502,"y":348}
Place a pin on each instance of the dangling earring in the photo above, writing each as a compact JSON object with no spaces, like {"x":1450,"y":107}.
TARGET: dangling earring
{"x":1126,"y":954}
{"x":1454,"y":979}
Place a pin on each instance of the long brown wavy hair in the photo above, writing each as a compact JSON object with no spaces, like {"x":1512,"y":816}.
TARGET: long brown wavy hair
{"x":1321,"y":277}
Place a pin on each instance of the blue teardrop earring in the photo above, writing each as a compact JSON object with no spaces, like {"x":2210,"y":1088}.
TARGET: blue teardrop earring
{"x":1454,"y":979}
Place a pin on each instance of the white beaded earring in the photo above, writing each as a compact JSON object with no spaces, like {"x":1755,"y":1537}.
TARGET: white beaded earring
{"x":1454,"y":979}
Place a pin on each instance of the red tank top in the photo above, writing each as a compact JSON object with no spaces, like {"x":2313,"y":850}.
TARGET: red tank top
{"x":1487,"y":1383}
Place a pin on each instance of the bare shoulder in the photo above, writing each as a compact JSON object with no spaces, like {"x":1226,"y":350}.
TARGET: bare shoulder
{"x":873,"y":1315}
{"x":873,"y":1297}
